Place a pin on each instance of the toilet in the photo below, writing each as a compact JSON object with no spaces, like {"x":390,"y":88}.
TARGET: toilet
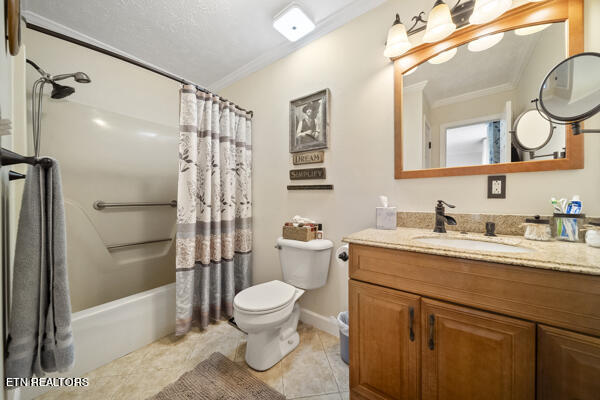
{"x":269,"y":312}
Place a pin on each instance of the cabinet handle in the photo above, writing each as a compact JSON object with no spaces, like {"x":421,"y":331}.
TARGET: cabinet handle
{"x":431,"y":327}
{"x":411,"y":313}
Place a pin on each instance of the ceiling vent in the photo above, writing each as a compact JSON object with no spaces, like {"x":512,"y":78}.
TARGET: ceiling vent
{"x":293,"y":23}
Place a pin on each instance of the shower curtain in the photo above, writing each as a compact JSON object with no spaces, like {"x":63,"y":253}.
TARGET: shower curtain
{"x":214,"y":208}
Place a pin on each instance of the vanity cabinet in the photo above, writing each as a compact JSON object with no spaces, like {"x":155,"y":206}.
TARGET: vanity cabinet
{"x":425,"y":326}
{"x":568,"y":365}
{"x":466,"y":353}
{"x":386,"y":355}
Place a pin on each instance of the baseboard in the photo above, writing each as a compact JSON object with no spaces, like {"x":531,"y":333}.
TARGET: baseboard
{"x":326,"y":324}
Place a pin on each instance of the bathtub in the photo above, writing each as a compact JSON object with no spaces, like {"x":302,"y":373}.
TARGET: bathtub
{"x":111,"y":330}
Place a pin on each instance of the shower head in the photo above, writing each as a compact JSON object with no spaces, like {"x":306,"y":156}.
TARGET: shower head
{"x":60,"y":91}
{"x":80,"y":77}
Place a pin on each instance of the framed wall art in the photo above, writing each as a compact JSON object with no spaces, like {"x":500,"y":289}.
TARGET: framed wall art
{"x":309,"y":122}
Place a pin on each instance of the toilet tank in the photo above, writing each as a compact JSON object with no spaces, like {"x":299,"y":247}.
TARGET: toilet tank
{"x":305,"y":265}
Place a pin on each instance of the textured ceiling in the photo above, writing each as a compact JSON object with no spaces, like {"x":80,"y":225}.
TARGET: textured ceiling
{"x":469,"y":72}
{"x":204,"y":41}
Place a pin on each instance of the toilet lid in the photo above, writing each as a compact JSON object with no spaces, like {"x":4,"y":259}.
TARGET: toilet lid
{"x":265,"y":296}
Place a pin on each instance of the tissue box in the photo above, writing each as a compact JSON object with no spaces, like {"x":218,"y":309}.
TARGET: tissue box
{"x":386,"y":218}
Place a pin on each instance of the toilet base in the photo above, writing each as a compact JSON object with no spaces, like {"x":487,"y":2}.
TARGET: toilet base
{"x":266,"y":348}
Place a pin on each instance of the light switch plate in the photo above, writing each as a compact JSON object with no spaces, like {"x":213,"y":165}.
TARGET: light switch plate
{"x":497,"y":187}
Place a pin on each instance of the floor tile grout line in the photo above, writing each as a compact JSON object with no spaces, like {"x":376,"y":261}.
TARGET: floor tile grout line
{"x":329,"y":363}
{"x":313,"y":395}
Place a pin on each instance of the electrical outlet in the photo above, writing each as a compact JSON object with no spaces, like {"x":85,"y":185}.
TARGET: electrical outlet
{"x":497,"y":187}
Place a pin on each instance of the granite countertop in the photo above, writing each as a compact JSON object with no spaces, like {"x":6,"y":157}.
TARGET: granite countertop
{"x":553,"y":255}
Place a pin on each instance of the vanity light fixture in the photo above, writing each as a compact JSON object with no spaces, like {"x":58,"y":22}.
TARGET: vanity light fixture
{"x":488,"y":10}
{"x":530,"y":30}
{"x":397,"y":40}
{"x":443,"y":57}
{"x":293,"y":23}
{"x":439,"y":23}
{"x":485,"y":42}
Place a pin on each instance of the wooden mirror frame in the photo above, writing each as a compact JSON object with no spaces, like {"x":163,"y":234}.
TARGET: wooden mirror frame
{"x":13,"y":26}
{"x":551,"y":11}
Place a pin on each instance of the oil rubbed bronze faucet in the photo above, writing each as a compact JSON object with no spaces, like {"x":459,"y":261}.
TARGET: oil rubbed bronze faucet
{"x":441,"y":219}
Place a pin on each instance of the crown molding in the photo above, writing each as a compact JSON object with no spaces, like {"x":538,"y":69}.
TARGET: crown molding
{"x":324,"y":27}
{"x":505,"y":87}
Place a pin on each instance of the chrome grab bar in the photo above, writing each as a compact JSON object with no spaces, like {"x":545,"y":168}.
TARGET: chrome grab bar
{"x":118,"y":246}
{"x":101,"y":205}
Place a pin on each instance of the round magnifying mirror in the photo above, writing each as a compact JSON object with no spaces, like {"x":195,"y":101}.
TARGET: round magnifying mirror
{"x":531,"y":131}
{"x":571,"y":91}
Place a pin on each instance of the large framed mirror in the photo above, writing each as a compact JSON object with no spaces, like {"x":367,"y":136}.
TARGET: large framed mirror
{"x":463,"y":106}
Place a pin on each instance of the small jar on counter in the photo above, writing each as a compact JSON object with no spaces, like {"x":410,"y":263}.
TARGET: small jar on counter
{"x":592,"y":234}
{"x":537,"y":228}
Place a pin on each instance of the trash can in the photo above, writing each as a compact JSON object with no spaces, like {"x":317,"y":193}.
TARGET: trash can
{"x":344,"y":332}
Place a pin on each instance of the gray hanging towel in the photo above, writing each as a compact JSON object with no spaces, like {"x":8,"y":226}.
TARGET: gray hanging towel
{"x":40,"y":337}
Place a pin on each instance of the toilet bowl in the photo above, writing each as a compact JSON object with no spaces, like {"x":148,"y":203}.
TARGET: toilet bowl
{"x":269,"y":313}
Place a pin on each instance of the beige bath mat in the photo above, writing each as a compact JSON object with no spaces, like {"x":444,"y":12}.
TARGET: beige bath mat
{"x":218,"y":378}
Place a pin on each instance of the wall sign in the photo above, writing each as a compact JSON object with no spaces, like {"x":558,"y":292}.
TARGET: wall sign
{"x":312,"y":157}
{"x":307,"y":173}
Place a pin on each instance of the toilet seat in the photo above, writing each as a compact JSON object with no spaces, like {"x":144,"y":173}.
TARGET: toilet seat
{"x":265,"y":298}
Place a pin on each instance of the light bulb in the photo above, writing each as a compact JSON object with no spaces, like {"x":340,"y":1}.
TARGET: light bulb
{"x":485,"y":42}
{"x":443,"y":57}
{"x":397,"y":40}
{"x":439,"y":23}
{"x":485,"y":11}
{"x":530,"y":30}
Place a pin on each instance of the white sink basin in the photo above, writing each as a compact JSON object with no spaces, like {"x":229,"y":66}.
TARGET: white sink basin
{"x":469,"y":244}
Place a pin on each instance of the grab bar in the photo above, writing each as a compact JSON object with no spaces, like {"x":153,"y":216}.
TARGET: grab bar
{"x":101,"y":205}
{"x":118,"y":246}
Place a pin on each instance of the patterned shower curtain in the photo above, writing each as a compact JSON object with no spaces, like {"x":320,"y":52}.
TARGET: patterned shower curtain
{"x":214,"y":208}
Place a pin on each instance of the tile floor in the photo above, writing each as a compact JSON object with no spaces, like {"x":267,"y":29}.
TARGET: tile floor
{"x":314,"y":370}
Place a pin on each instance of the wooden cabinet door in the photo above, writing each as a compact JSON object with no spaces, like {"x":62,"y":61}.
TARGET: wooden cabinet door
{"x":469,"y":354}
{"x":384,"y":343}
{"x":568,"y":365}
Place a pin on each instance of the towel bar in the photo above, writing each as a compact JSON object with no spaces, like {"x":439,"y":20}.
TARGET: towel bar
{"x":101,"y":205}
{"x":118,"y":246}
{"x":8,"y":157}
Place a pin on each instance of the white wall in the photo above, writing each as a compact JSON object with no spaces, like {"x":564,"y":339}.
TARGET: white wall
{"x":360,"y":161}
{"x":412,"y":140}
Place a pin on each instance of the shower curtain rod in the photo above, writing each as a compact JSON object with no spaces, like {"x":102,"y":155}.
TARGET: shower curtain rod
{"x":127,"y":59}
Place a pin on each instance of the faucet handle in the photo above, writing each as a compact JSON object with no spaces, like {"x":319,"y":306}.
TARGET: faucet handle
{"x":440,"y":202}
